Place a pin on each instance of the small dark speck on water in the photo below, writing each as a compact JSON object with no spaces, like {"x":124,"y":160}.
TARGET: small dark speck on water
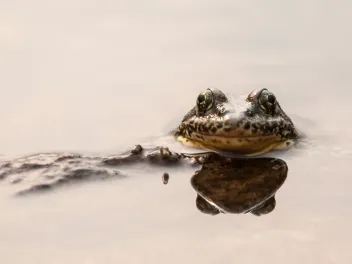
{"x":165,"y":178}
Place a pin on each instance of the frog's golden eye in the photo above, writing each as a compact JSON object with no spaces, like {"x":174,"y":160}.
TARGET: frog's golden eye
{"x":205,"y":101}
{"x":267,"y":101}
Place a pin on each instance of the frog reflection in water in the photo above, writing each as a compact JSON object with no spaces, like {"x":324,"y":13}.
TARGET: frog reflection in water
{"x":238,"y":185}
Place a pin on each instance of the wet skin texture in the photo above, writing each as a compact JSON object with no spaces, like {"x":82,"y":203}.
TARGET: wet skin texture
{"x":254,"y":125}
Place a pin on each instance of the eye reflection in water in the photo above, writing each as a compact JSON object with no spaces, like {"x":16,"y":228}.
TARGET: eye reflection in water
{"x":234,"y":185}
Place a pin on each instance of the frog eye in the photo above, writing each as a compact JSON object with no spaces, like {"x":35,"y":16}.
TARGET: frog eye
{"x":267,"y":101}
{"x":205,"y":101}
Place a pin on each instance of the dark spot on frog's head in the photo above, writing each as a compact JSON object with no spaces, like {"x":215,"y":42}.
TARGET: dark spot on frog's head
{"x":218,"y":125}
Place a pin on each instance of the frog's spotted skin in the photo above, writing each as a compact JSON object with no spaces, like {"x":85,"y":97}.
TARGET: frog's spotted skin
{"x":254,"y":125}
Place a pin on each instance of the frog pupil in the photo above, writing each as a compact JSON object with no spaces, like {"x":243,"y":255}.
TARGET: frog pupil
{"x":201,"y":98}
{"x":271,"y":99}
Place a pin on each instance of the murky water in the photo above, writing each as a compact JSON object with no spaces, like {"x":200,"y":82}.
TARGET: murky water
{"x":97,"y":77}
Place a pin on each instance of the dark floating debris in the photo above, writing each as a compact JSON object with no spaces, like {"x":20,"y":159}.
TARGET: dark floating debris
{"x":48,"y":171}
{"x":165,"y":178}
{"x":72,"y":176}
